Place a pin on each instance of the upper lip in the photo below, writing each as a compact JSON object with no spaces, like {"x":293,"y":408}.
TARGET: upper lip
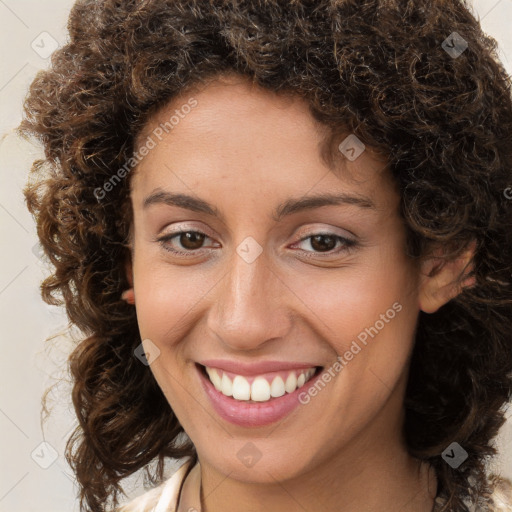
{"x":255,"y":368}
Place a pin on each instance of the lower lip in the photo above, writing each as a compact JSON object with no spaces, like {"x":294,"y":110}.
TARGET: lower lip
{"x":247,"y":414}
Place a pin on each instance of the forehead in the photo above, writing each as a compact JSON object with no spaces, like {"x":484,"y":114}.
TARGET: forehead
{"x":242,"y":134}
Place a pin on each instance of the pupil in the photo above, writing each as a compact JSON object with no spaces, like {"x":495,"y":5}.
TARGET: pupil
{"x":317,"y":245}
{"x":191,"y":240}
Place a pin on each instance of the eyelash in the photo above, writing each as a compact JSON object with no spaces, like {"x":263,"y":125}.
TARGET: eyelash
{"x":348,"y":244}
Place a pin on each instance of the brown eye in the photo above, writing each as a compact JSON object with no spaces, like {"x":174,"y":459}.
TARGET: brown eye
{"x":192,"y":240}
{"x":323,"y":243}
{"x":183,"y":242}
{"x":328,"y":243}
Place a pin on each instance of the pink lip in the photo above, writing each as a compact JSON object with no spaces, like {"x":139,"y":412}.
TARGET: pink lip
{"x":256,"y":368}
{"x":246,"y":414}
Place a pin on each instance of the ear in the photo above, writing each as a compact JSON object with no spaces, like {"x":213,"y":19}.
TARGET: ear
{"x":129,"y":294}
{"x":439,"y":280}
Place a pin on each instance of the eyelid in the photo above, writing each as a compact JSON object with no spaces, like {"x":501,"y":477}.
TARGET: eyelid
{"x":165,"y":242}
{"x":178,"y":228}
{"x":348,"y":243}
{"x":323,"y":229}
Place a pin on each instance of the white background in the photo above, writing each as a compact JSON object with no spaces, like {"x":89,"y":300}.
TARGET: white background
{"x":28,"y":366}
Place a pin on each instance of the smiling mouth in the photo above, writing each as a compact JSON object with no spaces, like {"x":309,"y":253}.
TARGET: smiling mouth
{"x":258,"y":388}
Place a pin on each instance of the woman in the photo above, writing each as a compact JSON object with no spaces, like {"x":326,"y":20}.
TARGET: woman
{"x":284,"y":229}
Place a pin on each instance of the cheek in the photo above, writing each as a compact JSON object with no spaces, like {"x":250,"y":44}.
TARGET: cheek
{"x":167,"y":304}
{"x":368,"y":318}
{"x":347,"y":301}
{"x":167,"y":296}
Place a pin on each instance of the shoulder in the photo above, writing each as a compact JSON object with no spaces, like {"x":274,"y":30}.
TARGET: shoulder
{"x":161,"y":498}
{"x":500,"y":499}
{"x":502,"y":494}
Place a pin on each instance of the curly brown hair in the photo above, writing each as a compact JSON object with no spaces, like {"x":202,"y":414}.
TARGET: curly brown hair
{"x":375,"y":68}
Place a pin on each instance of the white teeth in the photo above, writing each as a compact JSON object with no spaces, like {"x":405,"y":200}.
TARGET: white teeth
{"x":260,"y":390}
{"x":291,"y":383}
{"x":277,"y":387}
{"x":214,"y":377}
{"x":226,"y":385}
{"x":241,"y":388}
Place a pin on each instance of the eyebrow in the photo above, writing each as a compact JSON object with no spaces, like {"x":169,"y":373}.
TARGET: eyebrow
{"x":284,"y":209}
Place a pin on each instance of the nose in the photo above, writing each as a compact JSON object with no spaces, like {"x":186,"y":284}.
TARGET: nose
{"x":249,"y":306}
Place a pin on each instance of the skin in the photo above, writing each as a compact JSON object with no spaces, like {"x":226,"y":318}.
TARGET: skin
{"x":245,"y":150}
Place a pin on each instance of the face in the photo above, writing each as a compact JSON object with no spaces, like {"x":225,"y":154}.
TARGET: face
{"x":287,"y":279}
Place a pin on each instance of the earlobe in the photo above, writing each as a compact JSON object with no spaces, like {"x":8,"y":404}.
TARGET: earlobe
{"x":438,"y":281}
{"x":129,"y":296}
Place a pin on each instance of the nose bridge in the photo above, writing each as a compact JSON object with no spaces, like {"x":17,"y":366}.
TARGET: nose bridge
{"x":248,"y":308}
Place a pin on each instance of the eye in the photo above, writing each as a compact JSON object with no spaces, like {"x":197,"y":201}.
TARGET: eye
{"x":327,"y":242}
{"x":191,"y":241}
